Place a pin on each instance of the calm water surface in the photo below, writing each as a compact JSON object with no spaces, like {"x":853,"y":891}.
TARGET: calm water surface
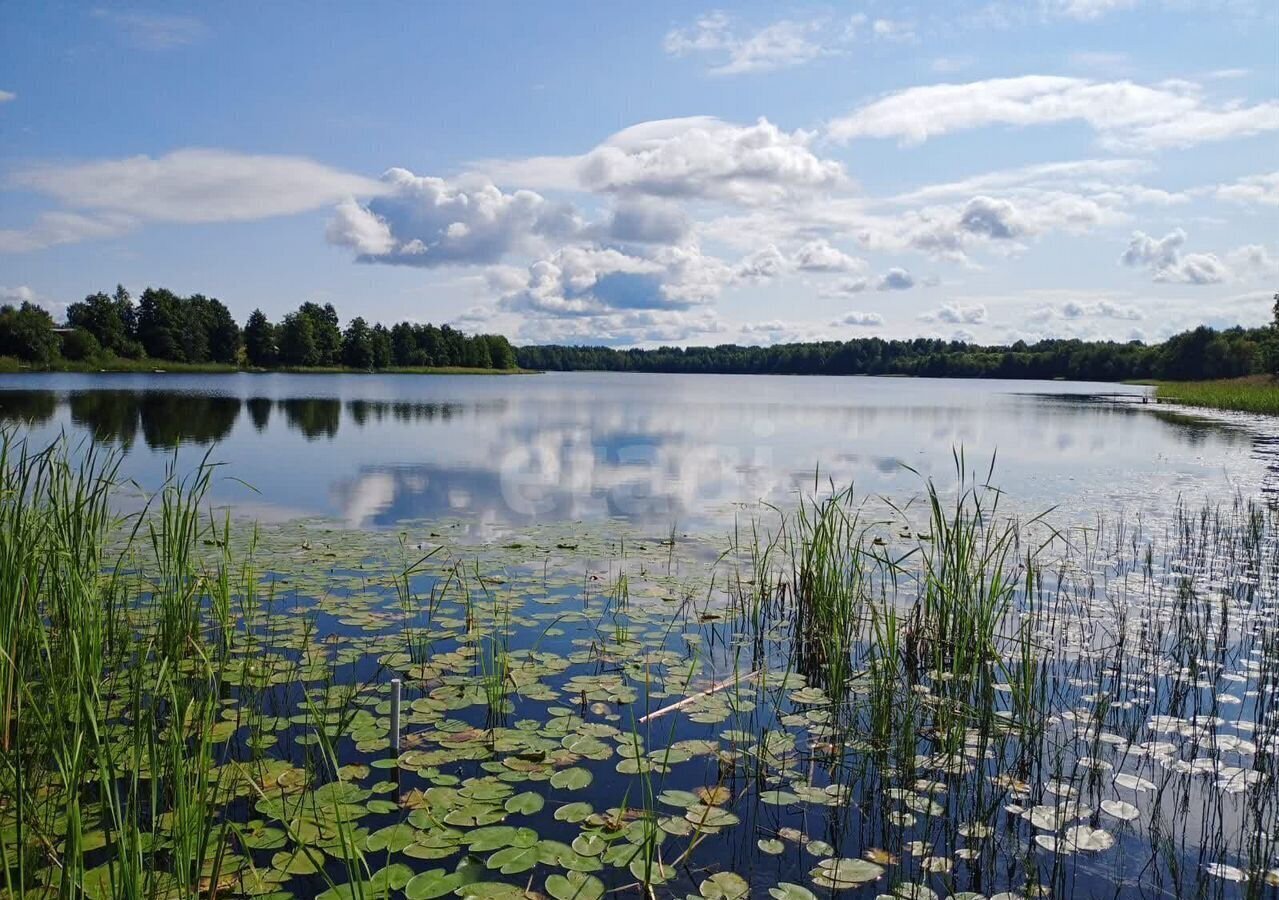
{"x":667,"y":450}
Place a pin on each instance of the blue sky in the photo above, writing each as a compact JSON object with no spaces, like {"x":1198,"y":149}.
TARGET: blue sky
{"x":654,"y":173}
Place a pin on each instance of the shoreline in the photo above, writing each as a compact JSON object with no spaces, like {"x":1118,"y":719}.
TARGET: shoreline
{"x":1252,"y":394}
{"x":164,"y":367}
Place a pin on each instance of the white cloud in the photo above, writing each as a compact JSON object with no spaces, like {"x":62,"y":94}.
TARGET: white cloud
{"x":586,"y":281}
{"x":1258,"y":189}
{"x":648,"y":221}
{"x":197,"y":185}
{"x":6,"y":96}
{"x":1124,"y":114}
{"x":1166,"y":263}
{"x":1087,"y":10}
{"x":623,"y":329}
{"x":697,"y":157}
{"x":891,"y":30}
{"x":20,"y":294}
{"x":819,"y":256}
{"x":948,"y":65}
{"x":425,"y":221}
{"x":1254,"y":259}
{"x":1106,"y":174}
{"x":53,"y":228}
{"x":895,"y":280}
{"x":360,"y":229}
{"x":763,"y":264}
{"x":16,"y":296}
{"x":708,"y":158}
{"x":1074,"y":310}
{"x":860,"y":319}
{"x":782,"y":44}
{"x":154,"y":31}
{"x":991,"y":218}
{"x":957,"y":314}
{"x":845,"y":287}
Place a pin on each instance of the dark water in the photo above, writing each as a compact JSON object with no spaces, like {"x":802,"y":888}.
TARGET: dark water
{"x":668,"y":450}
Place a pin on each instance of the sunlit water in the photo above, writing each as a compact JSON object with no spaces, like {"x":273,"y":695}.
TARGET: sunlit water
{"x":666,"y":451}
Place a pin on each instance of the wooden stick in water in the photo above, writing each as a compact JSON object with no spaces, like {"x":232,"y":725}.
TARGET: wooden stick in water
{"x":714,"y":688}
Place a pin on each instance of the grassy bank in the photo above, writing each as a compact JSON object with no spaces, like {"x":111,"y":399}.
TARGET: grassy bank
{"x":9,"y":365}
{"x":1254,"y":394}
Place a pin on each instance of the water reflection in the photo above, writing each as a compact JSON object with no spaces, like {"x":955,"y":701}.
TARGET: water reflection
{"x":665,"y":450}
{"x":169,"y":419}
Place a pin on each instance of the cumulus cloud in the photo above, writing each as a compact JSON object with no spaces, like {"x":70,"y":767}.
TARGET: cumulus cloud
{"x":588,"y":281}
{"x":957,"y":314}
{"x":1166,"y":263}
{"x":1075,"y":310}
{"x":995,"y":219}
{"x":1123,"y":113}
{"x":691,"y":158}
{"x":197,"y":185}
{"x":647,"y":221}
{"x":819,"y":256}
{"x":950,"y":231}
{"x":845,"y":287}
{"x":895,"y":280}
{"x":1253,"y":259}
{"x":1252,"y":189}
{"x":423,"y":221}
{"x":623,"y":329}
{"x":860,"y":319}
{"x":761,"y":265}
{"x":707,"y":158}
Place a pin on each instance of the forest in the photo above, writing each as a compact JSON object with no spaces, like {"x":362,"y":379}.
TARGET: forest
{"x":166,"y":328}
{"x":161,"y":326}
{"x":1202,"y":353}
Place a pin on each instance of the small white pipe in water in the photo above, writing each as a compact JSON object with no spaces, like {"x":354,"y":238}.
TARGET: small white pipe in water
{"x":395,"y":714}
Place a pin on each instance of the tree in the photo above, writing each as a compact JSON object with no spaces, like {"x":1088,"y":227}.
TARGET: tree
{"x":259,"y":340}
{"x":160,"y":324}
{"x":382,"y":350}
{"x":357,"y":345}
{"x":297,"y":346}
{"x":26,"y":332}
{"x":404,"y":351}
{"x":326,"y":331}
{"x":501,"y":352}
{"x":108,"y":320}
{"x":80,"y":344}
{"x":222,"y":334}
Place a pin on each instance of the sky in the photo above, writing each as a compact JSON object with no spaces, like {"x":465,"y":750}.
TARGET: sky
{"x":656,"y":173}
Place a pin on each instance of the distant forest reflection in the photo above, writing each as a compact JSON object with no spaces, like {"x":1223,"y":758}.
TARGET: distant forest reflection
{"x":167,"y":419}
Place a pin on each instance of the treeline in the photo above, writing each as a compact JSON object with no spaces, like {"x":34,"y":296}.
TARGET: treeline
{"x":1192,"y":355}
{"x":165,"y":327}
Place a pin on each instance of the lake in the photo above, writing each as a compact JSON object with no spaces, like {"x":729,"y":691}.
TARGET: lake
{"x":667,"y":451}
{"x":634,"y":658}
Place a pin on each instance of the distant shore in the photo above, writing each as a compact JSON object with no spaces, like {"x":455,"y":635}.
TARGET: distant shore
{"x":10,"y":366}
